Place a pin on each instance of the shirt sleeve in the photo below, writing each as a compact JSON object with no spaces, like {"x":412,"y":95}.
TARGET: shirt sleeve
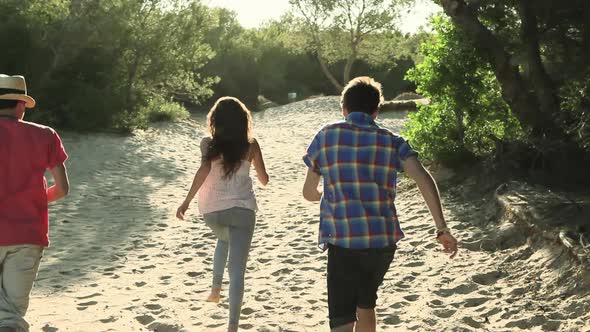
{"x":403,"y":150}
{"x":311,"y":158}
{"x":57,"y":152}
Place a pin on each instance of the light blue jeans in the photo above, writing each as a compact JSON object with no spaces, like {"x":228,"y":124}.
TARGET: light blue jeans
{"x":234,"y":229}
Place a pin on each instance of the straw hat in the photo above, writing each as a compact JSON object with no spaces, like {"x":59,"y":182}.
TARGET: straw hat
{"x":15,"y":88}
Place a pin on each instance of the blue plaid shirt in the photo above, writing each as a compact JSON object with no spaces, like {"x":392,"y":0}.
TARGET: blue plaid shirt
{"x":358,"y":161}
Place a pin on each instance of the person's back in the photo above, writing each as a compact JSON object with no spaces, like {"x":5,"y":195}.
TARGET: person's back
{"x":27,"y":150}
{"x":359,"y":162}
{"x":219,"y":192}
{"x":226,"y":198}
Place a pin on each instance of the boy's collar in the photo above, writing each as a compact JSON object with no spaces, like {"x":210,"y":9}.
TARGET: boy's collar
{"x":360,"y":119}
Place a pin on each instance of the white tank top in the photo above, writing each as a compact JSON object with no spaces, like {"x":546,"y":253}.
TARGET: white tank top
{"x":219,"y":193}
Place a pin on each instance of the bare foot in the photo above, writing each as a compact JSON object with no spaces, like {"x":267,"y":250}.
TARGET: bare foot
{"x":214,"y":296}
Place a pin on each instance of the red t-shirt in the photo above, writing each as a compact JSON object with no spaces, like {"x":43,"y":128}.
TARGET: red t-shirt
{"x":26,"y":151}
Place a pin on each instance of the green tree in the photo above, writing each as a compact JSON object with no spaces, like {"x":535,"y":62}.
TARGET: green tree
{"x":103,"y":64}
{"x":467,"y":117}
{"x":340,"y":29}
{"x":536,"y":49}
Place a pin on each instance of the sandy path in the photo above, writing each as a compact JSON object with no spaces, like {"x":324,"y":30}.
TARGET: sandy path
{"x":119,"y":261}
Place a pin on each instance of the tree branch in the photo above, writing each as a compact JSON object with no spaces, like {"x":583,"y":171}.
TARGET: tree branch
{"x":514,"y":91}
{"x":544,"y":87}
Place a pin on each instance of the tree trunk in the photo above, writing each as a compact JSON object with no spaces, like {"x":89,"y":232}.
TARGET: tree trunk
{"x":514,"y":91}
{"x":541,"y":82}
{"x":586,"y":33}
{"x":348,"y":67}
{"x":328,"y":74}
{"x":59,"y":49}
{"x":131,"y":81}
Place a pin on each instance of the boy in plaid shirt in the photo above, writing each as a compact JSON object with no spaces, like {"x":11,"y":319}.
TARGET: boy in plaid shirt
{"x":359,"y":162}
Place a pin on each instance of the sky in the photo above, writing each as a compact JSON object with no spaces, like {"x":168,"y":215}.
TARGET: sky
{"x":251,"y":13}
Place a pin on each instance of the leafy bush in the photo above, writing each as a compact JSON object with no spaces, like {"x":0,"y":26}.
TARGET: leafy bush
{"x":576,"y":111}
{"x":159,"y":109}
{"x":96,"y":65}
{"x":467,"y":117}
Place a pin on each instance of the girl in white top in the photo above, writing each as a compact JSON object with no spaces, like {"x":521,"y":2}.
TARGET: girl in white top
{"x":225,"y":195}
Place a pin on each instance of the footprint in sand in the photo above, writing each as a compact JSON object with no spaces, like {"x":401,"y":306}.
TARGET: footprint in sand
{"x":262,"y":296}
{"x":471,"y":322}
{"x":162,"y":327}
{"x":309,"y":268}
{"x":461,"y":289}
{"x":475,"y":302}
{"x":281,"y":271}
{"x":48,"y":328}
{"x":488,"y":278}
{"x":398,"y":305}
{"x":85,"y":305}
{"x":402,"y":285}
{"x":247,"y":311}
{"x":89,"y":296}
{"x":444,"y":313}
{"x":153,"y":307}
{"x":392,"y":320}
{"x":411,"y":298}
{"x":292,"y":261}
{"x":214,"y":326}
{"x":111,"y":319}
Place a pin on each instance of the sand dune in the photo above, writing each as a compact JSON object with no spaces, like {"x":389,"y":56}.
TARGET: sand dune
{"x":120,"y":261}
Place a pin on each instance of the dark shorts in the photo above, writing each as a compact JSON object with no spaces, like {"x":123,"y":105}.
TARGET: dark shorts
{"x":353,"y":279}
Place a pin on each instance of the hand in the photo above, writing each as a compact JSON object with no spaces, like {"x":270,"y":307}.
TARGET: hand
{"x":449,"y":244}
{"x":181,"y":210}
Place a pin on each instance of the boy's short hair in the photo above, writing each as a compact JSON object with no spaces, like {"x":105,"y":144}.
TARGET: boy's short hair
{"x":8,"y":104}
{"x":362,"y":94}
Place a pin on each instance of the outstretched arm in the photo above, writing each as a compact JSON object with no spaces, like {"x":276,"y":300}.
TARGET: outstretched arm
{"x":61,"y":186}
{"x":415,"y":170}
{"x":198,"y":180}
{"x":258,"y":162}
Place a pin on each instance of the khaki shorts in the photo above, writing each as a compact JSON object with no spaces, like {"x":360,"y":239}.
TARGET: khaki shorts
{"x":18,"y":270}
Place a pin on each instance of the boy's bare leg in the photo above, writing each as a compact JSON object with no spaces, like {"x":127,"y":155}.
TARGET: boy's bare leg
{"x":344,"y":328}
{"x":213,"y":297}
{"x":367,"y":322}
{"x":230,"y":328}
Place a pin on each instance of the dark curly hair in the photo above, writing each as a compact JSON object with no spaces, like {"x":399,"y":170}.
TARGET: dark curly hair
{"x":230,"y":124}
